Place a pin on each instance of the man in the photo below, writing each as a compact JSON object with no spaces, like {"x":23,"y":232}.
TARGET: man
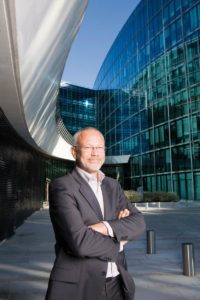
{"x":92,"y":221}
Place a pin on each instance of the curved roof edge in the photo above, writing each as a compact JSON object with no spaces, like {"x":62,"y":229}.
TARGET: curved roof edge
{"x":34,"y":48}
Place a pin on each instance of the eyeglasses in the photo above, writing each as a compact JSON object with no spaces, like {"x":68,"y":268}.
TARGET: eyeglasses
{"x":91,"y":148}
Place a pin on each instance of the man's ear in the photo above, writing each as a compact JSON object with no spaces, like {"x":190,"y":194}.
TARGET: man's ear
{"x":73,"y":152}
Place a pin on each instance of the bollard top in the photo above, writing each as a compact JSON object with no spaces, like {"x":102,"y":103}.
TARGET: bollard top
{"x":189,"y":244}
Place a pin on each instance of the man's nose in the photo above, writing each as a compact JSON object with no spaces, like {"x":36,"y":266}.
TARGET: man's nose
{"x":94,"y":150}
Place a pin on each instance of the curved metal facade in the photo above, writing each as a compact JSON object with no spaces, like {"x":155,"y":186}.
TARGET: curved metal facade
{"x":35,"y":39}
{"x":152,"y":110}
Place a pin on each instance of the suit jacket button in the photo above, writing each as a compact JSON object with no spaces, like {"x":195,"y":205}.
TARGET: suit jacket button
{"x":103,"y":273}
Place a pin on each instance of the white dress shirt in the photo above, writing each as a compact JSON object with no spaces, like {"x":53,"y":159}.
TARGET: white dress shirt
{"x":95,"y":184}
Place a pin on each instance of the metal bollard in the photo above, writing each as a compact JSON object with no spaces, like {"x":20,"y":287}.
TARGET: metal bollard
{"x":151,"y":245}
{"x":188,"y":259}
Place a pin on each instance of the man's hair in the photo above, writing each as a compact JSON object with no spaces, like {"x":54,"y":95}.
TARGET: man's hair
{"x":80,"y":131}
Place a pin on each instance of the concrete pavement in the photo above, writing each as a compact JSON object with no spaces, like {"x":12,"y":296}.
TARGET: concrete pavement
{"x":26,"y":258}
{"x":159,"y":276}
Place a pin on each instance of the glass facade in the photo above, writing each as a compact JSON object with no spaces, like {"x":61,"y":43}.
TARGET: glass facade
{"x":149,"y":99}
{"x":76,"y":107}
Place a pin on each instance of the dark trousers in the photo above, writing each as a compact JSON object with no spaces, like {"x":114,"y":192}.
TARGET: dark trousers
{"x":112,"y":290}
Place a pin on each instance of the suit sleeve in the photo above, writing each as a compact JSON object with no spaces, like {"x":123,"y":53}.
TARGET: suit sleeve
{"x":131,"y":227}
{"x":70,"y":230}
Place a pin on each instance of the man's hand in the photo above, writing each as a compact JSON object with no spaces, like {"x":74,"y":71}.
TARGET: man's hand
{"x":102,"y":228}
{"x":123,"y":213}
{"x":124,"y":243}
{"x":99,"y":227}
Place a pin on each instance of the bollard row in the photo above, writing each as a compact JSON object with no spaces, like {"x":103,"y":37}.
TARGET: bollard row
{"x":187,"y":253}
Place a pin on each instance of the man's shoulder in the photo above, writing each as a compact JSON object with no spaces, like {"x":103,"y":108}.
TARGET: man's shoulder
{"x":110,"y":180}
{"x":70,"y":178}
{"x":62,"y":180}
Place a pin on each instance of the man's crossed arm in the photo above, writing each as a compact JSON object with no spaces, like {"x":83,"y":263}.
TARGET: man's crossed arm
{"x":103,"y":229}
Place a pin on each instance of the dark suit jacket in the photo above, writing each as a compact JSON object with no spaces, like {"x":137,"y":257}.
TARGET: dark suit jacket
{"x":80,"y":267}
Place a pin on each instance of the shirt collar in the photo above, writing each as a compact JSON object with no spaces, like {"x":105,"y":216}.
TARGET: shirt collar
{"x":89,"y":178}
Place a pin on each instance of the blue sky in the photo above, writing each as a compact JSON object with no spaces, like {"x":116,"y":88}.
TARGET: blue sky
{"x":101,"y":24}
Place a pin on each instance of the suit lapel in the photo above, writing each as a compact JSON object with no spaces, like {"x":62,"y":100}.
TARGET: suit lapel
{"x":88,"y":194}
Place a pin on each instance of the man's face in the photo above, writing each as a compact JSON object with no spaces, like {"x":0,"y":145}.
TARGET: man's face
{"x":90,"y":151}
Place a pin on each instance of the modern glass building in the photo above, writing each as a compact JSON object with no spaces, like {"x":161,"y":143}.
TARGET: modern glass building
{"x":76,"y":107}
{"x":24,"y":174}
{"x":151,"y":105}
